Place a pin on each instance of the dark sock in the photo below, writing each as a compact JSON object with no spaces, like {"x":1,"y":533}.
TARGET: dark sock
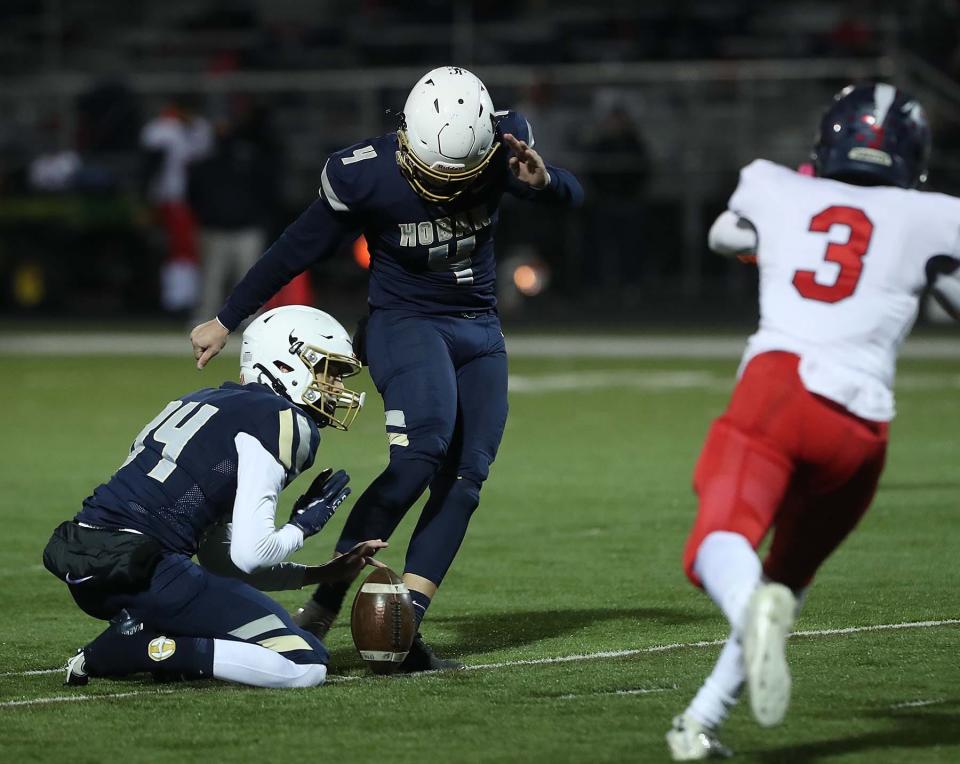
{"x":420,"y":604}
{"x":116,"y":654}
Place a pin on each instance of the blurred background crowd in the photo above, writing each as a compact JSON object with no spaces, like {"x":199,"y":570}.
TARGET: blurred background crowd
{"x":150,"y":151}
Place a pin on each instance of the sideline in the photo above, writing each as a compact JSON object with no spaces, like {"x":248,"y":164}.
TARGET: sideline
{"x":518,"y":345}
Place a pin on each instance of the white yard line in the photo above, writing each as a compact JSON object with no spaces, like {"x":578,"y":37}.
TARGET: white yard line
{"x":559,"y":345}
{"x":617,"y":693}
{"x":35,"y":672}
{"x":916,"y":704}
{"x":78,"y":698}
{"x":709,"y":643}
{"x":509,"y":664}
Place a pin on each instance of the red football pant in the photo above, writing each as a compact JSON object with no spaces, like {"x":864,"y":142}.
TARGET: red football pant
{"x":781,"y":457}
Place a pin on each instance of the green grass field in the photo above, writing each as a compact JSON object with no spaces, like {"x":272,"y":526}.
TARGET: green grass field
{"x":574,"y":552}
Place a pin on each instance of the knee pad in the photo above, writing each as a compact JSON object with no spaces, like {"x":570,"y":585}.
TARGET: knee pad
{"x":458,"y":491}
{"x":473,"y":466}
{"x":423,"y":441}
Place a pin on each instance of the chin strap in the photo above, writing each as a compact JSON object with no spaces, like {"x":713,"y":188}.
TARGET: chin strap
{"x":276,"y":384}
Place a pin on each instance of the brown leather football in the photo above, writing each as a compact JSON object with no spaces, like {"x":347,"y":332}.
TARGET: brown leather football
{"x":382,"y":621}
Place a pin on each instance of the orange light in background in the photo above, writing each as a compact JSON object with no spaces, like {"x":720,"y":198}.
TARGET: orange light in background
{"x":361,"y":254}
{"x":528,"y":280}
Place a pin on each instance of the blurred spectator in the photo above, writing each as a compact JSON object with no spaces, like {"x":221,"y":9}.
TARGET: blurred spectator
{"x":234,"y":194}
{"x":854,"y":33}
{"x":552,"y":121}
{"x":617,"y":169}
{"x":54,"y":171}
{"x":170,"y":142}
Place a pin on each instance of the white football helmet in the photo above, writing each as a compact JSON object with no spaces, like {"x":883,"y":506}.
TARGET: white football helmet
{"x":447,"y":134}
{"x":303,"y":354}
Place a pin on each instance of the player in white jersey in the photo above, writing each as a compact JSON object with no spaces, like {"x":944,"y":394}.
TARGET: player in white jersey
{"x":844,"y":257}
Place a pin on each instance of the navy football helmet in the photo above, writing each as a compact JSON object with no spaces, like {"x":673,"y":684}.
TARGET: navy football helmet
{"x":875,"y":135}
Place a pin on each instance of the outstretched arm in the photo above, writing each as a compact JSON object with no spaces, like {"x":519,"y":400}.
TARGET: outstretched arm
{"x":316,"y":235}
{"x":533,"y":179}
{"x":214,"y":555}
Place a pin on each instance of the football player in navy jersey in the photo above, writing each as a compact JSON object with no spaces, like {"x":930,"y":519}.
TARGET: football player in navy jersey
{"x":203,"y":478}
{"x":426,"y":199}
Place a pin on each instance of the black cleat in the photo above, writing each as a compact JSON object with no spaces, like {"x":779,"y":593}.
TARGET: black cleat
{"x":422,"y":658}
{"x":77,"y":670}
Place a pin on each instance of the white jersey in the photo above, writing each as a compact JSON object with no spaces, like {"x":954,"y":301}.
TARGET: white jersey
{"x":181,"y":143}
{"x":842,"y":268}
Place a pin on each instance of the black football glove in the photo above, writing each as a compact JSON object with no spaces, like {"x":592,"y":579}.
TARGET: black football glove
{"x":315,"y":508}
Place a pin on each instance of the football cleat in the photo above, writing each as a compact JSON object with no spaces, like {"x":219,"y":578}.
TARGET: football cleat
{"x":77,"y":670}
{"x":314,"y":618}
{"x":689,"y":740}
{"x":422,"y":658}
{"x":770,"y":617}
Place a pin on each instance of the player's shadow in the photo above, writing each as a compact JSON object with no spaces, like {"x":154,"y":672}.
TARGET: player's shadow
{"x":909,"y":729}
{"x":464,"y":635}
{"x":487,"y":632}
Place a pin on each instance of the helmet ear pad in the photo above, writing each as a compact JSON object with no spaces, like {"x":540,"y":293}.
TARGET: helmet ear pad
{"x":303,"y":354}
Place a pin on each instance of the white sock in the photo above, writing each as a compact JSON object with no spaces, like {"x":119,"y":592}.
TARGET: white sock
{"x":730,"y":570}
{"x":251,"y":664}
{"x":718,"y":695}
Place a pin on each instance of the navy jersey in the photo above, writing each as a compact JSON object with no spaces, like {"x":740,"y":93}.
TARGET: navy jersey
{"x":426,"y":257}
{"x":181,"y":474}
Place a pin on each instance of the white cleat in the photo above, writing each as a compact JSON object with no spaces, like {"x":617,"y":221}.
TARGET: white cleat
{"x":770,"y":617}
{"x":77,"y":670}
{"x":314,"y":618}
{"x":689,"y":740}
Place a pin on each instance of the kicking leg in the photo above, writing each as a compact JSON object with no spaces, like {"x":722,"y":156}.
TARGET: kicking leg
{"x":411,"y":367}
{"x":455,"y":492}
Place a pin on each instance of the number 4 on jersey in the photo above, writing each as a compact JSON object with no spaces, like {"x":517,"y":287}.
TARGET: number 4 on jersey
{"x":173,"y":427}
{"x":848,"y":255}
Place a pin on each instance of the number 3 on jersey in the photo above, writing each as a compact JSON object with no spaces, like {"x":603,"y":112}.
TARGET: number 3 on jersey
{"x":848,"y":255}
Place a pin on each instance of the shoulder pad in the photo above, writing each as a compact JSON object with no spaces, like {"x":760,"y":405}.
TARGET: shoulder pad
{"x":350,"y":177}
{"x":288,"y":434}
{"x":761,"y":169}
{"x":757,"y":188}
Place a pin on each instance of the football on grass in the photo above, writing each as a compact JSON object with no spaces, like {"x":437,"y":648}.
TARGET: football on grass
{"x":382,"y":621}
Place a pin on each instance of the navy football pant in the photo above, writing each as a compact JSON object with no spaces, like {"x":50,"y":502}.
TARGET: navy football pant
{"x":185,"y":600}
{"x":444,"y":385}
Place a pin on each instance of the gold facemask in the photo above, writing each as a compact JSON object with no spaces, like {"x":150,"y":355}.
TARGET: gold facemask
{"x":326,"y":395}
{"x":436,"y":185}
